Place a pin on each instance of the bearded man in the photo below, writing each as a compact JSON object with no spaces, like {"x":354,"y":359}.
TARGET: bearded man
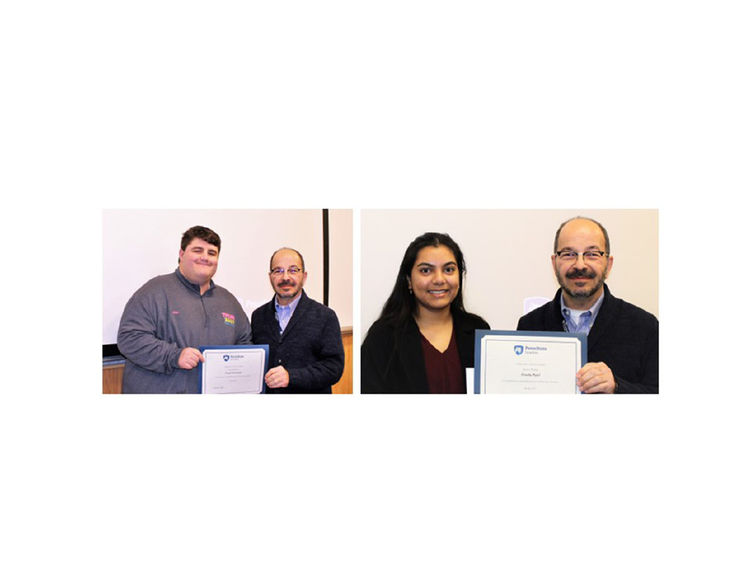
{"x":622,"y":339}
{"x":306,"y":354}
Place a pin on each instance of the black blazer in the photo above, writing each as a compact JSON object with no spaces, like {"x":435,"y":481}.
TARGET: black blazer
{"x":624,"y":337}
{"x":391,"y":359}
{"x":310,"y":348}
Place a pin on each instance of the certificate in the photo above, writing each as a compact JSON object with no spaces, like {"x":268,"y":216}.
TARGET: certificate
{"x":528,"y":362}
{"x":233,"y":369}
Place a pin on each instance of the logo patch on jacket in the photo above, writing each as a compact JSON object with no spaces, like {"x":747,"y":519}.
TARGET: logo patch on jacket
{"x":229,"y":319}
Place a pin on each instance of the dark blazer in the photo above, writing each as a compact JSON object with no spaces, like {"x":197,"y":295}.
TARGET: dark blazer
{"x":391,"y":359}
{"x":310,"y":348}
{"x":624,"y":337}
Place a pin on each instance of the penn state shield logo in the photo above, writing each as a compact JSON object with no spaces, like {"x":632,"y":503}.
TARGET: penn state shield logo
{"x":226,"y":357}
{"x":518,"y":349}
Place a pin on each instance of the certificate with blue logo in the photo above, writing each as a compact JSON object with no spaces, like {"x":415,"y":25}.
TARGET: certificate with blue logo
{"x":234,"y":369}
{"x":528,"y":362}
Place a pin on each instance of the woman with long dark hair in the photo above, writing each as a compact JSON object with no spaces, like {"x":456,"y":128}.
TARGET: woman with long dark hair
{"x":424,"y":339}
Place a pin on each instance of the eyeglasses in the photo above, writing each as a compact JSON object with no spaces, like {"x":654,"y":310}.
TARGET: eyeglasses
{"x":292,"y":271}
{"x":589,"y":255}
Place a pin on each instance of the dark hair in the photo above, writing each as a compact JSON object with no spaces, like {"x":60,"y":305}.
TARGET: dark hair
{"x":604,"y":233}
{"x":271,"y":260}
{"x":401,"y":304}
{"x":203,"y":233}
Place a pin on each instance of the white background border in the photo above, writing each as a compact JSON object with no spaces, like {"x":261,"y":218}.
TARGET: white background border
{"x":391,"y":104}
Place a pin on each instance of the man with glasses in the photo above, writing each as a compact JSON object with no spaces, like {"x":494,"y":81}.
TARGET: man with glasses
{"x":622,"y":339}
{"x":305,"y":341}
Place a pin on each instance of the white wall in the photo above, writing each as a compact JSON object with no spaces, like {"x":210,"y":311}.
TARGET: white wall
{"x":507,"y":253}
{"x":140,"y":244}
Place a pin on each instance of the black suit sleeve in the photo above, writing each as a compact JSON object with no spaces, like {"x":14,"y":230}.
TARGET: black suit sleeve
{"x":648,"y":365}
{"x":375,"y":353}
{"x":329,"y":365}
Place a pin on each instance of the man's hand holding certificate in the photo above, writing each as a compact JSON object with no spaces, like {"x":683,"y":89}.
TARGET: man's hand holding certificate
{"x":528,"y":362}
{"x":234,"y":369}
{"x":595,"y":377}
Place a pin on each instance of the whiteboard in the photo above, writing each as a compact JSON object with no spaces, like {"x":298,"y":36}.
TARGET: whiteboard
{"x":139,"y":244}
{"x":507,"y":254}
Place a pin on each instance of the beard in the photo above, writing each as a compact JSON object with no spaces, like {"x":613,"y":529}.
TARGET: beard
{"x":295,"y":290}
{"x":584,"y":273}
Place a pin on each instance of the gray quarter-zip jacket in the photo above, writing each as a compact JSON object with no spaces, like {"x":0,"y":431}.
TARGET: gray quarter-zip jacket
{"x":168,"y":313}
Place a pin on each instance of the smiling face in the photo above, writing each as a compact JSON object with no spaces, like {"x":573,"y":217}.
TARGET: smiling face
{"x":198,"y":262}
{"x":434,"y":279}
{"x":287,"y":285}
{"x":581,"y":279}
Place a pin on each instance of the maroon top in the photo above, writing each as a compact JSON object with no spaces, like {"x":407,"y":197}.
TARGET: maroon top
{"x":444,"y":370}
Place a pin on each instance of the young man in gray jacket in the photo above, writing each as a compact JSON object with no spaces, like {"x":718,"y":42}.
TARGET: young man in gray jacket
{"x":171,"y":316}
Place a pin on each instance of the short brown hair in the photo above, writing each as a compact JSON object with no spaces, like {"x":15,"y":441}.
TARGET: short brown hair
{"x":203,"y":233}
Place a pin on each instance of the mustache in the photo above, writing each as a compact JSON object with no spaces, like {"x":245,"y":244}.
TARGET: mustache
{"x":580,"y":273}
{"x":286,"y":284}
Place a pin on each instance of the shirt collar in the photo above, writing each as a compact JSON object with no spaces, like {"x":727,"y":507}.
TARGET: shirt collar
{"x":195,"y":287}
{"x":594,"y":309}
{"x":292,"y":306}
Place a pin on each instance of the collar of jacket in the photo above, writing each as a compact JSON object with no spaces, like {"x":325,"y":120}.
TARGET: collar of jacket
{"x":302,"y":305}
{"x":195,"y":288}
{"x":412,"y":358}
{"x":604,"y":318}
